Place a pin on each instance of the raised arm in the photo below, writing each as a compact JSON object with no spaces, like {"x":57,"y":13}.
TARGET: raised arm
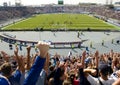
{"x":19,"y":60}
{"x":117,"y":82}
{"x":46,"y":66}
{"x":114,"y":61}
{"x":38,"y":64}
{"x":83,"y":58}
{"x":81,"y":67}
{"x":96,"y":58}
{"x":28,"y":58}
{"x":33,"y":58}
{"x":5,"y":56}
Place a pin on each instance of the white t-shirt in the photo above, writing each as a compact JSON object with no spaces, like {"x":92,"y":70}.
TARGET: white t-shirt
{"x":95,"y":81}
{"x":115,"y":75}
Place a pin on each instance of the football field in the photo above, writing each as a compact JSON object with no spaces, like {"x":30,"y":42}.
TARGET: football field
{"x":61,"y":21}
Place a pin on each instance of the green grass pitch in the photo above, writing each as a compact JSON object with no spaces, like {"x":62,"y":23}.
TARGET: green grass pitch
{"x":61,"y":21}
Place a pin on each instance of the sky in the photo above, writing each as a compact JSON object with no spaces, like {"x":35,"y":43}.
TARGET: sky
{"x":39,"y":2}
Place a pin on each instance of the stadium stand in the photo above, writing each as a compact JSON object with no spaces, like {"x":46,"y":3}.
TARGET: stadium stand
{"x":13,"y":12}
{"x":81,"y":69}
{"x":41,"y":68}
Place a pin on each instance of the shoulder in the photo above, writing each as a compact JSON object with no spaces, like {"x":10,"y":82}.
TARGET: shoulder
{"x":111,"y":80}
{"x":3,"y":81}
{"x":91,"y":77}
{"x":107,"y":82}
{"x":93,"y":80}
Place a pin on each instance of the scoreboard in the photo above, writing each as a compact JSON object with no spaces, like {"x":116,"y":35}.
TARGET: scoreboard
{"x":60,"y":2}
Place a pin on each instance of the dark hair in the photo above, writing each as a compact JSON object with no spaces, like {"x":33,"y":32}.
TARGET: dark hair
{"x":51,"y":68}
{"x":6,"y":69}
{"x":72,"y":76}
{"x":103,"y":69}
{"x":57,"y":59}
{"x":0,"y":57}
{"x":62,"y":72}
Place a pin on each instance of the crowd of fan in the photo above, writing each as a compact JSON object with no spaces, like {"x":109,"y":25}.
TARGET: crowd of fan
{"x":14,"y":12}
{"x":41,"y":69}
{"x":95,"y":9}
{"x":104,"y":11}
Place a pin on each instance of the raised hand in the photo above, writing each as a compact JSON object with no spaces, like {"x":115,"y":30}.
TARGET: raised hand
{"x":79,"y":65}
{"x":19,"y":60}
{"x":6,"y":57}
{"x":84,"y":53}
{"x":43,"y":48}
{"x":96,"y":58}
{"x":28,"y":49}
{"x":16,"y":51}
{"x":97,"y":53}
{"x":28,"y":57}
{"x":83,"y":57}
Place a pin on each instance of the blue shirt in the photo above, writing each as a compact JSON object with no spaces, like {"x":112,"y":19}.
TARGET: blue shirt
{"x":4,"y":80}
{"x":15,"y":78}
{"x":34,"y":71}
{"x":32,"y":76}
